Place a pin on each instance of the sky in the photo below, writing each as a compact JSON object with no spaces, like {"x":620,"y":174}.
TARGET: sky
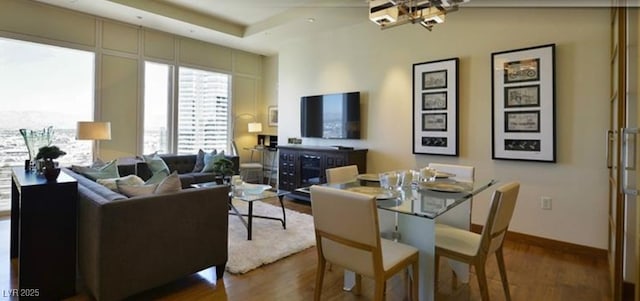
{"x":45,"y":78}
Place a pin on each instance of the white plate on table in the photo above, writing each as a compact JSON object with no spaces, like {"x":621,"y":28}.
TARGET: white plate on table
{"x":444,"y":175}
{"x":380,"y":193}
{"x":445,"y":186}
{"x":369,"y":177}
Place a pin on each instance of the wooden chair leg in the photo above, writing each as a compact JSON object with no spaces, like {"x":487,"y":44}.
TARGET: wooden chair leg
{"x":436,"y":272}
{"x":380,"y":289}
{"x":415,"y":280}
{"x":503,"y":273}
{"x":319,"y":278}
{"x":357,"y":288}
{"x":482,"y":280}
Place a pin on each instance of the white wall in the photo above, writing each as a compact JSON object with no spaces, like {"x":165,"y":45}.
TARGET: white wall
{"x":378,"y":63}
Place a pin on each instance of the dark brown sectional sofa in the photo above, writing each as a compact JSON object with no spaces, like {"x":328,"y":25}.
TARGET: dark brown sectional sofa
{"x":184,"y":164}
{"x":129,"y":245}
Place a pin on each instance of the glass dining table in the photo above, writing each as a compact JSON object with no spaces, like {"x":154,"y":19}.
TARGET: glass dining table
{"x":409,"y":214}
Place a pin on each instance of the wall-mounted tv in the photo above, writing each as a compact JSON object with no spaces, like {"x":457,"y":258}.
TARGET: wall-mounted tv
{"x":330,"y":116}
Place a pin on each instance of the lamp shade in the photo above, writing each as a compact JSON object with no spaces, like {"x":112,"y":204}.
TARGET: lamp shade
{"x":255,"y":127}
{"x":93,"y":130}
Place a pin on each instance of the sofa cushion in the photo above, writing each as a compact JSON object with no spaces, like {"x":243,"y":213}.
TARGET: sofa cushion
{"x":128,"y":180}
{"x":109,"y":170}
{"x":156,"y":164}
{"x":171,"y":183}
{"x":95,"y":188}
{"x":201,"y":177}
{"x":157,"y":177}
{"x":199,"y":161}
{"x":136,"y":190}
{"x":210,"y":160}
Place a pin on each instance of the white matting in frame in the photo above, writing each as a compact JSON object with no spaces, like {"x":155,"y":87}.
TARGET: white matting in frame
{"x":435,"y":107}
{"x":524,"y":104}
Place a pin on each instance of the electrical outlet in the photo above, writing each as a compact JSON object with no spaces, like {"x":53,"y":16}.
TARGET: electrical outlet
{"x":545,"y":203}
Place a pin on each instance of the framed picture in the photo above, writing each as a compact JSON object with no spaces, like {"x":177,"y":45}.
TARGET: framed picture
{"x":522,"y":71}
{"x":522,"y":121}
{"x":434,"y":79}
{"x":434,"y":122}
{"x":523,"y":101}
{"x":522,"y":96}
{"x":435,"y":107}
{"x":434,"y":101}
{"x":272,"y":115}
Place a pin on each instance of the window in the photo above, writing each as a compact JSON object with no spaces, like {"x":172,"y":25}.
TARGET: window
{"x":203,"y":111}
{"x":157,"y":96}
{"x":38,"y":85}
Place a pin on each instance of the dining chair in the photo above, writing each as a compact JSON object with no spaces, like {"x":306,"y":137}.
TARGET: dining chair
{"x":341,"y":174}
{"x":347,"y":235}
{"x":473,"y":248}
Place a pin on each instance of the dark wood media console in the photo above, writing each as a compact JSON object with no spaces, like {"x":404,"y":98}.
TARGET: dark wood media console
{"x":302,"y":166}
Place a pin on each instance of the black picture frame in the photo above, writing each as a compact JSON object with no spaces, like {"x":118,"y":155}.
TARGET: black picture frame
{"x":522,"y":121}
{"x":434,"y":122}
{"x":522,"y":96}
{"x":435,"y":107}
{"x":434,"y":79}
{"x":523,"y":104}
{"x":434,"y":101}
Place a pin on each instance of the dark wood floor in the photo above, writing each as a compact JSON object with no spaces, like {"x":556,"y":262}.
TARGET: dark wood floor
{"x":534,"y":274}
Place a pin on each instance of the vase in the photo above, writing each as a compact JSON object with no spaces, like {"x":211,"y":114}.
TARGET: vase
{"x":35,"y":139}
{"x":51,"y":173}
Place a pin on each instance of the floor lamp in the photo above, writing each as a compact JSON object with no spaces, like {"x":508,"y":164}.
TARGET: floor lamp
{"x":94,"y":130}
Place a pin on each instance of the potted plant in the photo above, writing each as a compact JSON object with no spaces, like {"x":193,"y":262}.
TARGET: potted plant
{"x":224,"y":167}
{"x":46,"y":155}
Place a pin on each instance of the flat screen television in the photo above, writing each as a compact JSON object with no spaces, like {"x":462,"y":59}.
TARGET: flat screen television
{"x":330,"y":116}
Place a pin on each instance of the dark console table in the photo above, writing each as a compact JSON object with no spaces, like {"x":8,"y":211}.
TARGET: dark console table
{"x":43,"y":234}
{"x":302,"y":166}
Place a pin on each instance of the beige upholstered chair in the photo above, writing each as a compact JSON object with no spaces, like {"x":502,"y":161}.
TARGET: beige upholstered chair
{"x":473,"y":248}
{"x":341,"y":174}
{"x":463,"y":173}
{"x":347,"y":234}
{"x":249,"y":169}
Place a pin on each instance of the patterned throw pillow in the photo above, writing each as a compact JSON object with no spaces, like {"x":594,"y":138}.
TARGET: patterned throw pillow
{"x":136,"y":190}
{"x":210,"y":160}
{"x":169,"y":184}
{"x":155,"y":163}
{"x":157,"y":177}
{"x":200,"y":160}
{"x":126,"y":180}
{"x":108,"y":171}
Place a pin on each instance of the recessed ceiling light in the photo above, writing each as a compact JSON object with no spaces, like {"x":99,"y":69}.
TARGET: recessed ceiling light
{"x":311,"y":20}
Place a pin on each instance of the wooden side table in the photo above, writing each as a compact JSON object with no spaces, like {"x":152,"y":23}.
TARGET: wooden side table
{"x":43,"y":234}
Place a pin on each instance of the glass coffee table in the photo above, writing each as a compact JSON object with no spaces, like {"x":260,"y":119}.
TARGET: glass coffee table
{"x":258,"y":192}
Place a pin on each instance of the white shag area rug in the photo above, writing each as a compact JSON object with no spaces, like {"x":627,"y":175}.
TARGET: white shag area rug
{"x":270,"y":242}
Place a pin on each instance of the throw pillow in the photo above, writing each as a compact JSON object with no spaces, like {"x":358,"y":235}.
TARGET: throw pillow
{"x":169,"y":184}
{"x":157,"y":177}
{"x":127,"y":180}
{"x":210,"y":160}
{"x":109,"y":170}
{"x":136,"y":190}
{"x":200,"y":160}
{"x":155,"y":163}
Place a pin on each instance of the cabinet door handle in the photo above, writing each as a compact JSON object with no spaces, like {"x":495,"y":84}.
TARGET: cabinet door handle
{"x":609,"y":142}
{"x":629,"y":148}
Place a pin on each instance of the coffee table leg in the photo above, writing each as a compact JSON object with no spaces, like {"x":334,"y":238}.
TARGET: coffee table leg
{"x":250,"y":216}
{"x":284,"y":216}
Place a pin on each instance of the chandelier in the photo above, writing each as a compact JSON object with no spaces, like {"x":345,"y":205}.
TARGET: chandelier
{"x":390,"y":13}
